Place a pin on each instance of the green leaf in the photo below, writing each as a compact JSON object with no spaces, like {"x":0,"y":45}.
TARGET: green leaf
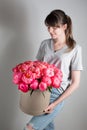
{"x":50,"y":88}
{"x":31,"y":92}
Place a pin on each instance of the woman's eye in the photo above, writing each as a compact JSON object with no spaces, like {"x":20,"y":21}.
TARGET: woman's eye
{"x":54,"y":28}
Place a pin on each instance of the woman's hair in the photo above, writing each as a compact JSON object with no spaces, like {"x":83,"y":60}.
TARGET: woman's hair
{"x":57,"y":18}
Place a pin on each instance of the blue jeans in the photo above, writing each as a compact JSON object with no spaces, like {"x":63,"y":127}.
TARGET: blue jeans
{"x":45,"y":121}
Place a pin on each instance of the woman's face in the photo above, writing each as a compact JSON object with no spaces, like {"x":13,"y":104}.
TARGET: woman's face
{"x":57,"y":32}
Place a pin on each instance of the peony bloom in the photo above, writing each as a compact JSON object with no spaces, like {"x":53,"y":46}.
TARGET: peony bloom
{"x":59,"y":74}
{"x":55,"y":82}
{"x":42,"y":86}
{"x":24,"y":67}
{"x":23,"y":87}
{"x":37,"y":72}
{"x":17,"y":77}
{"x":47,"y":80}
{"x":34,"y":85}
{"x":48,"y":72}
{"x":28,"y":77}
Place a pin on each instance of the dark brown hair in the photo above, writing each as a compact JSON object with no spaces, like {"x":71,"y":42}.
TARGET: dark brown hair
{"x":57,"y":18}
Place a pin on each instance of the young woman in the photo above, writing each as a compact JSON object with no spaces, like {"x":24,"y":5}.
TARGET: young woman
{"x":61,"y":50}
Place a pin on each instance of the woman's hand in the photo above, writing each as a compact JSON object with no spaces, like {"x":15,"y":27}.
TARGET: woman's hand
{"x":50,"y":108}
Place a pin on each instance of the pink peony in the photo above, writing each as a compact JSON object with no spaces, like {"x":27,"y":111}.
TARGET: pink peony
{"x":34,"y":85}
{"x":55,"y":82}
{"x":28,"y":77}
{"x":42,"y":86}
{"x":23,"y":87}
{"x":37,"y":72}
{"x":24,"y":67}
{"x":47,"y":80}
{"x":58,"y":73}
{"x":17,"y":77}
{"x":48,"y":72}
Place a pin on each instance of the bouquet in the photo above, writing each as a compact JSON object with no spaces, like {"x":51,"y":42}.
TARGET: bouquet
{"x":33,"y":75}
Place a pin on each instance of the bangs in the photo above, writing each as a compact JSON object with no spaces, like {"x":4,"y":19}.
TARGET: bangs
{"x":52,"y":20}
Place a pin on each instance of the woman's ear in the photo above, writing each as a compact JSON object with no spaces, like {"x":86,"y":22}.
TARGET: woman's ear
{"x":65,"y":26}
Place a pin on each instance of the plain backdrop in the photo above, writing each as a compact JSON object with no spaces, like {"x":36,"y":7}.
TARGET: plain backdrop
{"x":22,"y":30}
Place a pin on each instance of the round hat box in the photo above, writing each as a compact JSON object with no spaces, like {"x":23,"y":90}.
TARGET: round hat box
{"x":35,"y":103}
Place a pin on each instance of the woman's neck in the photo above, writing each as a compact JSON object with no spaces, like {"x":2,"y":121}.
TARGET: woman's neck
{"x":59,"y":44}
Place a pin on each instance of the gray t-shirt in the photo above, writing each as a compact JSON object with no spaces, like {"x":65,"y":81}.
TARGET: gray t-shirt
{"x":66,"y":61}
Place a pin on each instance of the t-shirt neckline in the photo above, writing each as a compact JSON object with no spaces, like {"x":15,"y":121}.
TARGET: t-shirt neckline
{"x":52,"y":47}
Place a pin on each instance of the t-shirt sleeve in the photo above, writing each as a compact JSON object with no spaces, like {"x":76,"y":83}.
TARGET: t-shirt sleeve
{"x":76,"y":62}
{"x":40,"y":53}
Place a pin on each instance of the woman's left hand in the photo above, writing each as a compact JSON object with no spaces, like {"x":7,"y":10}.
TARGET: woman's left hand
{"x":50,"y":108}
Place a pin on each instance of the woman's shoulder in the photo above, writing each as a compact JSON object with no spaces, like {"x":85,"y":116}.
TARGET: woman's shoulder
{"x":77,"y":47}
{"x":46,"y":42}
{"x":76,"y":50}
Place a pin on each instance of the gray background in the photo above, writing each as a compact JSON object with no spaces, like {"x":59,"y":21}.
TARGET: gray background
{"x":21,"y":31}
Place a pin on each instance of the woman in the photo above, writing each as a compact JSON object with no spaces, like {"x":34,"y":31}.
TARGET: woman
{"x":62,"y":51}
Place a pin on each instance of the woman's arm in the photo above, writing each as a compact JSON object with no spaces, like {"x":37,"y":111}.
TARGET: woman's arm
{"x":75,"y":75}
